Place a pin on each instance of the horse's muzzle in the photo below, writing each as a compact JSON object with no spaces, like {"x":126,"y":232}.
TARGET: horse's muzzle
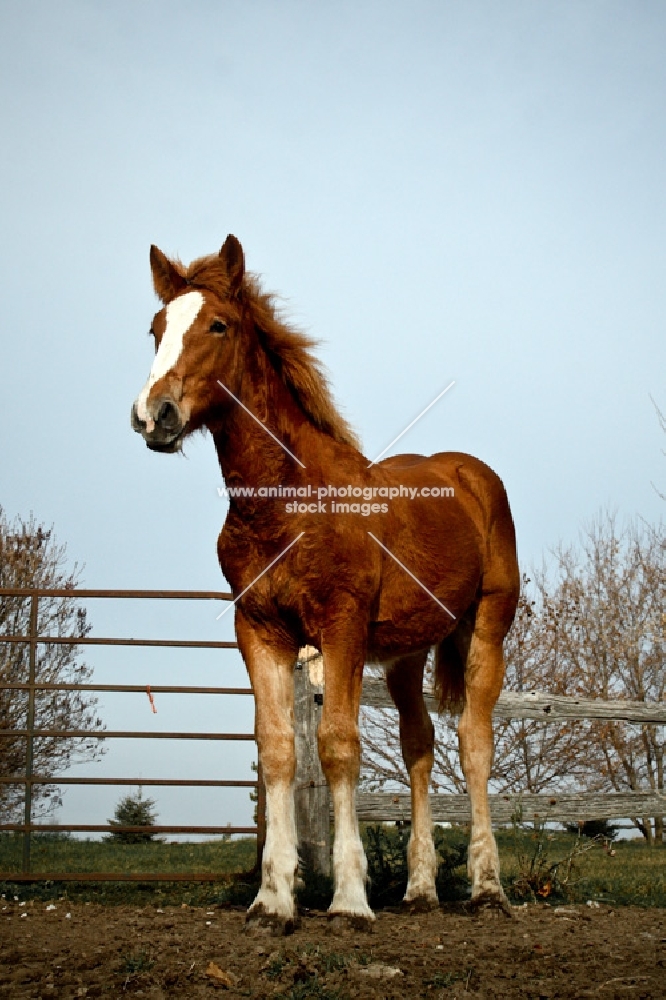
{"x":163,"y":431}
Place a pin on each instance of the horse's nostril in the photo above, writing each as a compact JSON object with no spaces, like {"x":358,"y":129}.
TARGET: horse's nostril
{"x":167,"y":415}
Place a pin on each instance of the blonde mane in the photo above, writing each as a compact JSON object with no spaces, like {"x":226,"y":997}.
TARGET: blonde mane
{"x":289,"y":350}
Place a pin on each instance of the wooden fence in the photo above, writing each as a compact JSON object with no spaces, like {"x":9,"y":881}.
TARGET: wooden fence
{"x":313,"y":807}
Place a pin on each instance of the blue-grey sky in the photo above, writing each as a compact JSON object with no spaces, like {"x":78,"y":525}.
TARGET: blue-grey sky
{"x":439,"y":190}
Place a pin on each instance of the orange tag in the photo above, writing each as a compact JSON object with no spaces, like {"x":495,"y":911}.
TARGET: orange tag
{"x":150,"y":699}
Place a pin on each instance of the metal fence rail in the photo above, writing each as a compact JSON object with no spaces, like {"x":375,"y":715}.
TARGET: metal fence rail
{"x":30,"y":733}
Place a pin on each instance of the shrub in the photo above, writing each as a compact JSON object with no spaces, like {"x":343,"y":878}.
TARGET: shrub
{"x":134,"y":810}
{"x":386,"y":851}
{"x":594,"y":828}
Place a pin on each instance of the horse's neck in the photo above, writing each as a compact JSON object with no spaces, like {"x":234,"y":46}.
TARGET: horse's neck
{"x":246,"y":451}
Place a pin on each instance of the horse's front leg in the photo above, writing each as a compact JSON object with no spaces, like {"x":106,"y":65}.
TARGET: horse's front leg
{"x":271,"y":670}
{"x":340,"y":754}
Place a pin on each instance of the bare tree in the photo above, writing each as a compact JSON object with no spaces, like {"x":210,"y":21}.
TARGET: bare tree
{"x":533,"y":756}
{"x":610,"y":633}
{"x":31,"y":557}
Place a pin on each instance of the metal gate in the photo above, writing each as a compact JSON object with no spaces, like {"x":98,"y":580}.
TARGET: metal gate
{"x":30,"y":734}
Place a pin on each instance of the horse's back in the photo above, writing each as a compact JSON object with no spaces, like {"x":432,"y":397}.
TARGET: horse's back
{"x":474,"y":484}
{"x":445,"y":464}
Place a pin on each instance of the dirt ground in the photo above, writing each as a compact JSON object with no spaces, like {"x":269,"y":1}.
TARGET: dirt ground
{"x":85,"y":950}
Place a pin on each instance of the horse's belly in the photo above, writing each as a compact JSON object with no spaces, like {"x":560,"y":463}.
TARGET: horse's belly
{"x":386,"y":640}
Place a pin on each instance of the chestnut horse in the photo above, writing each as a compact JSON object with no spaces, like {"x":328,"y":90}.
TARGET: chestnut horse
{"x":379,"y":581}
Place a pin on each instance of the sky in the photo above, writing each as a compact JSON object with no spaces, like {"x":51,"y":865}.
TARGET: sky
{"x":438,"y":190}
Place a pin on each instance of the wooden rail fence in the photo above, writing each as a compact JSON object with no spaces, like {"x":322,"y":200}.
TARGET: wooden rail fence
{"x":313,"y":816}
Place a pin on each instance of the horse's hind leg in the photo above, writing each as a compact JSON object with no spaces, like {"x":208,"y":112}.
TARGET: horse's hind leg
{"x":404,"y":679}
{"x":484,"y":673}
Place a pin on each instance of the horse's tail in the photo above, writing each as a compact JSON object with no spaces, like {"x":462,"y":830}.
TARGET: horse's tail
{"x":450,"y":663}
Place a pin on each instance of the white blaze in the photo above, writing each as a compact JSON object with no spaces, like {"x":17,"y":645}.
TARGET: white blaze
{"x":180,"y":315}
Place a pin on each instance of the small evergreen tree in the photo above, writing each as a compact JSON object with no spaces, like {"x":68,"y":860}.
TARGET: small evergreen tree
{"x":134,"y":810}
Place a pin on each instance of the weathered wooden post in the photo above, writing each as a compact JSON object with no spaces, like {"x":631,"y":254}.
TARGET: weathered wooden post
{"x":313,"y":824}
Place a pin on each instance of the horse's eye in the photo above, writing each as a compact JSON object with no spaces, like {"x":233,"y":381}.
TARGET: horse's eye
{"x":217,"y":326}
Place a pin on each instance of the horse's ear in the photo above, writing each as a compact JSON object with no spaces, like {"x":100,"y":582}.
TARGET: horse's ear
{"x":167,"y":279}
{"x":234,"y":261}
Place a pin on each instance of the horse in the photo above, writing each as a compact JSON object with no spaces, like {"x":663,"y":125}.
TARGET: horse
{"x":423,"y":556}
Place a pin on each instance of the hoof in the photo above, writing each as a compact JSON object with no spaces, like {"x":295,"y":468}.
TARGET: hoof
{"x":259,"y":921}
{"x":350,"y":921}
{"x":491,"y":902}
{"x":420,"y":904}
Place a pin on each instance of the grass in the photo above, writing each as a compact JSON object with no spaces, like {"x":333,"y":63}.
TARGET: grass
{"x":137,"y":962}
{"x":307,"y":970}
{"x":53,"y":853}
{"x":57,"y":853}
{"x":442,"y":980}
{"x":313,"y":989}
{"x":635,"y":875}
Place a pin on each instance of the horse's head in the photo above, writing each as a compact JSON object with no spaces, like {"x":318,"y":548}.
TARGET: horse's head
{"x":196,"y":337}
